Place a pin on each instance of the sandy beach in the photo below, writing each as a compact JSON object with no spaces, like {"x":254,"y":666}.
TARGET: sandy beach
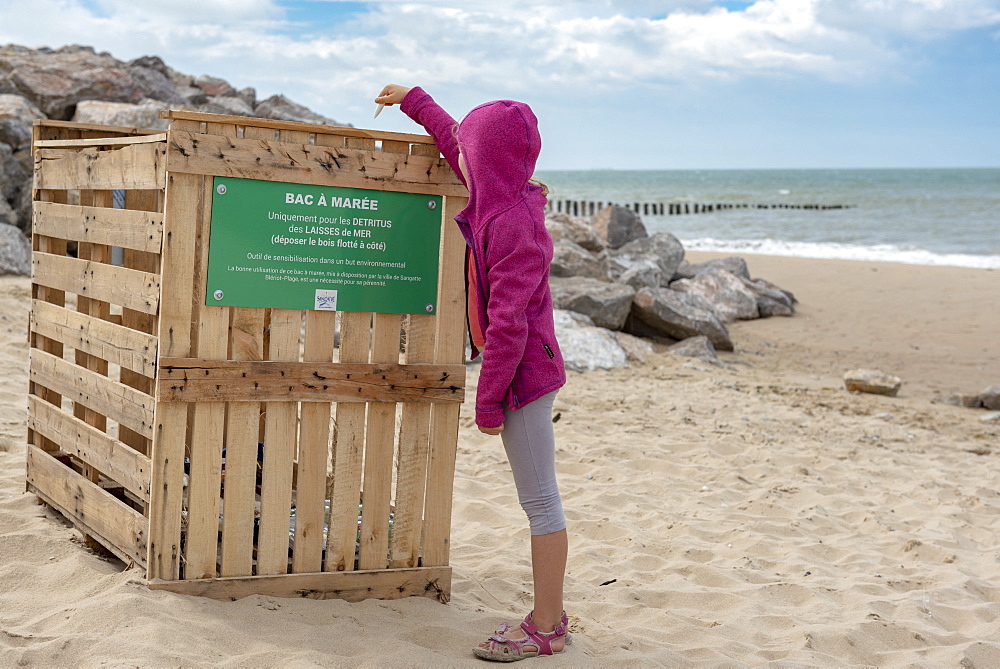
{"x":747,"y":514}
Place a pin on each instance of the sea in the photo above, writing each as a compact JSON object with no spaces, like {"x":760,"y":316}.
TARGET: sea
{"x":916,"y":216}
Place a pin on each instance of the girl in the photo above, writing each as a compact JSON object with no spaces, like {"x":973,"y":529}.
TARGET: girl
{"x":494,"y":149}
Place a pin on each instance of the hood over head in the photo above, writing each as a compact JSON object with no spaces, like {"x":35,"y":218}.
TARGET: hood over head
{"x":500,"y":143}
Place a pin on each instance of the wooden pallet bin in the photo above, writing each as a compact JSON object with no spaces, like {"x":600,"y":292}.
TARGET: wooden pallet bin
{"x":136,"y":386}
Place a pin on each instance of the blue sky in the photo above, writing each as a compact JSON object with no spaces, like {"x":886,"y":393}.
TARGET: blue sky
{"x":645,"y":84}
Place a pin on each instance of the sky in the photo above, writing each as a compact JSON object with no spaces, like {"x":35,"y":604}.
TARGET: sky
{"x":642,"y":84}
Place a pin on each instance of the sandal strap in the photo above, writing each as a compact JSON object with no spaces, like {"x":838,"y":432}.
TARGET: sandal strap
{"x":543,"y":640}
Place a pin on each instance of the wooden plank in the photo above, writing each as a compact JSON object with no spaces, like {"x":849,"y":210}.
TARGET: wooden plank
{"x":194,"y":153}
{"x":280,"y":431}
{"x":140,"y":230}
{"x":79,"y":498}
{"x":379,"y":433}
{"x":117,"y":285}
{"x":242,"y":429}
{"x":116,"y":460}
{"x":307,"y":128}
{"x":184,"y":208}
{"x":62,"y":127}
{"x":106,"y":396}
{"x":348,"y":447}
{"x":449,"y":347}
{"x":314,"y":440}
{"x":411,"y":468}
{"x":116,"y":344}
{"x":99,"y":141}
{"x":140,"y":166}
{"x":197,"y":380}
{"x":353,"y":587}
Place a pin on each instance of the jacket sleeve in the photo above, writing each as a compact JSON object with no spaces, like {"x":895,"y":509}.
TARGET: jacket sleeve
{"x":421,"y":107}
{"x":515,"y":266}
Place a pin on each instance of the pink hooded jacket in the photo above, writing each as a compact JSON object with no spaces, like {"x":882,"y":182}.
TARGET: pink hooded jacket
{"x":504,"y":226}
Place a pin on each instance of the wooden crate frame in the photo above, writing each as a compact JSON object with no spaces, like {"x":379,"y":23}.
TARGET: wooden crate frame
{"x":135,"y":384}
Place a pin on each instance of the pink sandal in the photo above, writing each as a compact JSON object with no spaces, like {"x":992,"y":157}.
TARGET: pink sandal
{"x":503,"y":649}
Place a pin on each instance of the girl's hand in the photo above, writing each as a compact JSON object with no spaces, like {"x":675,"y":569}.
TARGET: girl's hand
{"x":490,"y":430}
{"x":391,"y":95}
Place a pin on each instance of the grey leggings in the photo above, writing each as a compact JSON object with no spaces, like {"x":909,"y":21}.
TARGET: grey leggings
{"x":531,"y":450}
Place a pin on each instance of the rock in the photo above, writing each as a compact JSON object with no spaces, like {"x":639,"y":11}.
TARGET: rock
{"x":662,"y":248}
{"x":660,"y":311}
{"x":584,"y":346}
{"x":569,"y":259}
{"x":153,"y":78}
{"x":990,"y":398}
{"x":55,"y":81}
{"x":13,"y":177}
{"x":642,"y":274}
{"x":280,"y":108}
{"x":576,"y":230}
{"x":734,"y":264}
{"x":23,"y":210}
{"x":606,"y":304}
{"x":248,"y":95}
{"x":15,"y":251}
{"x":226,"y":105}
{"x":8,"y":216}
{"x":771,"y":300}
{"x":144,"y":115}
{"x":636,"y":349}
{"x":991,"y":417}
{"x":872,"y":381}
{"x":214,"y":87}
{"x":16,"y":117}
{"x":727,"y":294}
{"x":696,"y":347}
{"x":617,"y":226}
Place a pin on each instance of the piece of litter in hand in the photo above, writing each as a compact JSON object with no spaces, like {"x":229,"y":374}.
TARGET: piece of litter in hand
{"x":378,"y":110}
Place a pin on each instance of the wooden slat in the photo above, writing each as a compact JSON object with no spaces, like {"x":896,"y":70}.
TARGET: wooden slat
{"x":80,"y":499}
{"x":197,"y":380}
{"x":113,"y":458}
{"x":379,"y":434}
{"x":116,"y":344}
{"x":140,"y":230}
{"x":242,"y":429}
{"x":194,"y":153}
{"x":295,"y":126}
{"x":279,"y":452}
{"x":108,"y":397}
{"x":314,"y":439}
{"x":99,"y":141}
{"x":411,"y":468}
{"x":184,"y":207}
{"x":130,"y":167}
{"x":352,"y":587}
{"x":449,"y":347}
{"x":47,"y":127}
{"x":355,"y":334}
{"x":116,"y":285}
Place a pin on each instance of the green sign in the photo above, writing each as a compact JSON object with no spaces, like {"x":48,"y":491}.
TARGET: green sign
{"x":297,"y":246}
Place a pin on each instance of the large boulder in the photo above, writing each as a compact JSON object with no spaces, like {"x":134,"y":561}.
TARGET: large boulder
{"x":584,"y":346}
{"x":214,"y":86}
{"x":13,"y":177}
{"x":16,"y":117}
{"x":563,"y":226}
{"x":642,"y":274}
{"x":729,"y":296}
{"x":734,"y":264}
{"x":771,"y":300}
{"x":569,"y":259}
{"x":144,"y":115}
{"x":696,"y":347}
{"x":15,"y":251}
{"x":280,"y":108}
{"x":8,"y":216}
{"x":153,"y":77}
{"x":606,"y":304}
{"x":662,"y":248}
{"x":233,"y":106}
{"x":617,"y":226}
{"x":660,"y":311}
{"x":55,"y":81}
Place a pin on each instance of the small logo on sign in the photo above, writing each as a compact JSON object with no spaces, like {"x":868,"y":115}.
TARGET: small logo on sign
{"x":326,"y":300}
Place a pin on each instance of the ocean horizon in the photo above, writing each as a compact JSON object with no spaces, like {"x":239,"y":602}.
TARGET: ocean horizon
{"x":924,"y":216}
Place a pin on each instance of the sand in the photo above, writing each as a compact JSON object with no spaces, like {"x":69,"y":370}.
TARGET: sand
{"x":749,"y":514}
